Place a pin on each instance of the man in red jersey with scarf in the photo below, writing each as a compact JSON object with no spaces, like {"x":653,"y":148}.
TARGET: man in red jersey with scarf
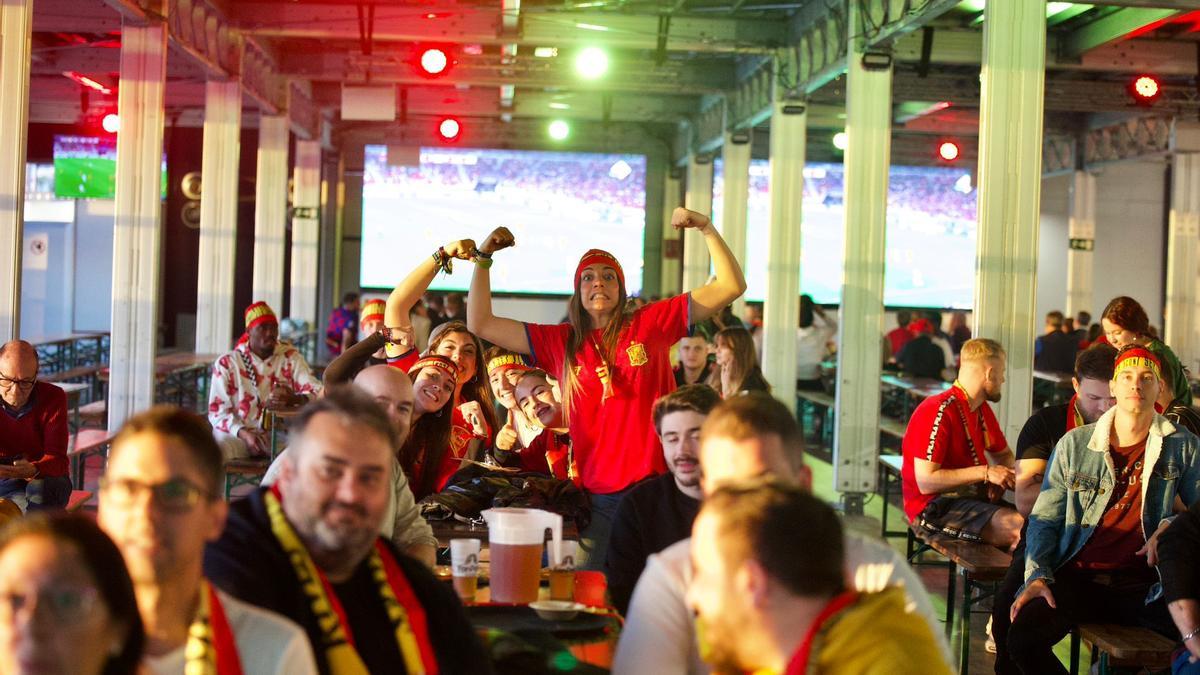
{"x":309,"y":548}
{"x":957,"y":463}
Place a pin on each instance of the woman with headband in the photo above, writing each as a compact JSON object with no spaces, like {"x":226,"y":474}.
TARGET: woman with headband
{"x":612,"y":363}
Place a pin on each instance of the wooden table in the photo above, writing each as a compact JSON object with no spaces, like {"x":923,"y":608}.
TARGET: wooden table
{"x":1055,"y":387}
{"x":910,"y":391}
{"x":180,"y":374}
{"x":73,"y":391}
{"x":273,"y":420}
{"x":57,"y":353}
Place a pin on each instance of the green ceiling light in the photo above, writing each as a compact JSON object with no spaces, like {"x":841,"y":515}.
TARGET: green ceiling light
{"x":591,"y":63}
{"x":841,"y":140}
{"x":559,"y":130}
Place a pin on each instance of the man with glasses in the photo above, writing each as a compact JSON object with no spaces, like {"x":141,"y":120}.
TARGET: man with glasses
{"x":34,"y":471}
{"x":160,"y":503}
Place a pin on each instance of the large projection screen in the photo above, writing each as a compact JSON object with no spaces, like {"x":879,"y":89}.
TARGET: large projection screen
{"x":557,"y":204}
{"x":930,"y":234}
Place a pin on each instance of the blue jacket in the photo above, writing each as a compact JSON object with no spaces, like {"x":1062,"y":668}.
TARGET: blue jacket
{"x":1079,"y":483}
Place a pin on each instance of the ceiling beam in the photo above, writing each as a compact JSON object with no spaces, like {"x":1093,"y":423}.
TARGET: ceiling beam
{"x":1121,"y":24}
{"x":458,"y":24}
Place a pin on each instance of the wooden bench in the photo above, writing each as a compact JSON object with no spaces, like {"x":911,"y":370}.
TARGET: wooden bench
{"x":83,"y":444}
{"x":889,"y":479}
{"x":1122,"y":646}
{"x":982,"y":567}
{"x":94,"y":413}
{"x":77,"y":373}
{"x":78,"y":499}
{"x":889,"y":426}
{"x":243,"y":472}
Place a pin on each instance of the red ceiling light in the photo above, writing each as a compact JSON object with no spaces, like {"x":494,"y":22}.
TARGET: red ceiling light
{"x":1145,"y":89}
{"x":111,"y":123}
{"x":948,"y":151}
{"x":449,"y":129}
{"x":433,"y":61}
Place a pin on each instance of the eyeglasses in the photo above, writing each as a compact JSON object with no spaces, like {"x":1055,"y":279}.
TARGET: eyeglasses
{"x":66,"y":605}
{"x":177,"y":494}
{"x":6,"y":381}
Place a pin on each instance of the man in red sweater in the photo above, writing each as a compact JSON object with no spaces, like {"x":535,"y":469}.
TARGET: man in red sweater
{"x":33,"y":433}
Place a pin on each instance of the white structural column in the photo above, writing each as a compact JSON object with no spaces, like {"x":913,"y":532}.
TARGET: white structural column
{"x":1010,"y":181}
{"x":16,"y":19}
{"x":218,"y":216}
{"x":305,"y":232}
{"x":137,"y":231}
{"x":1081,"y":229}
{"x":270,"y":209}
{"x":781,"y":309}
{"x":698,"y":199}
{"x":869,"y":132}
{"x":1183,"y":245}
{"x":735,"y":156}
{"x":671,"y":241}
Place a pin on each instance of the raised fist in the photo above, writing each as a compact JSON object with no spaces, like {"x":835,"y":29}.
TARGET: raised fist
{"x":682,"y":218}
{"x":500,"y":238}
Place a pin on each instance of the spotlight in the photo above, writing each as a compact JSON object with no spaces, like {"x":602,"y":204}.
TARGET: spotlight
{"x":431,"y":62}
{"x":1145,"y":89}
{"x":948,"y":151}
{"x":591,"y":63}
{"x":449,"y":129}
{"x":841,"y":140}
{"x":559,"y":130}
{"x":111,"y":123}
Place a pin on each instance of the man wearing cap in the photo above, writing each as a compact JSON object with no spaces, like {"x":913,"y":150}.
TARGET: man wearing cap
{"x":259,"y":374}
{"x":1091,"y":544}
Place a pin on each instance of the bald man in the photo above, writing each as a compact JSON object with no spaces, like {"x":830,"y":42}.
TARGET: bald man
{"x":34,"y":471}
{"x":402,"y":522}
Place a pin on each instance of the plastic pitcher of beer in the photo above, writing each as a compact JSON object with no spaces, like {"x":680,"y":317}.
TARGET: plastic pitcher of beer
{"x":515,"y":541}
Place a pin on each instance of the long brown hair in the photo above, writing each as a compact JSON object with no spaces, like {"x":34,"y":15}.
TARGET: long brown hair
{"x":1128,"y":314}
{"x":744,"y":367}
{"x":581,"y":327}
{"x":477,"y":388}
{"x":428,"y":442}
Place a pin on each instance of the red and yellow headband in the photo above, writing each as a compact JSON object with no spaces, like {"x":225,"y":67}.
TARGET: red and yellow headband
{"x":594,"y":256}
{"x":372,"y":311}
{"x":1137,"y":357}
{"x":259,"y":313}
{"x":435,"y":361}
{"x":507,"y":361}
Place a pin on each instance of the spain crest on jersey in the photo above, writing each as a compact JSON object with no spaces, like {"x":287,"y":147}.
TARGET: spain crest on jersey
{"x":637,"y":354}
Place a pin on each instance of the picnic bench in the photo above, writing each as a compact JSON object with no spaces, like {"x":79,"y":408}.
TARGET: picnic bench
{"x":1122,"y":646}
{"x":982,"y":567}
{"x":821,"y":405}
{"x":248,"y":471}
{"x":83,"y":444}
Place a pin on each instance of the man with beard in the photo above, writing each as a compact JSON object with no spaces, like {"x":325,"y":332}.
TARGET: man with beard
{"x":957,"y":463}
{"x":771,"y":596}
{"x":660,"y":511}
{"x":160,"y":501}
{"x":309,"y":548}
{"x":402,"y":521}
{"x":1042,"y":431}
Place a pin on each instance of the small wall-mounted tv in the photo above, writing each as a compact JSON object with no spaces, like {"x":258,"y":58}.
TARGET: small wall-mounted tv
{"x":85,"y":167}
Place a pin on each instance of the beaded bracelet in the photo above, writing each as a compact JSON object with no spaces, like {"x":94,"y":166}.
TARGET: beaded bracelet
{"x":443,"y":260}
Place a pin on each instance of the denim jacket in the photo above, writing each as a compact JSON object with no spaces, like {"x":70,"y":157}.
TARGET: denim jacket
{"x":1079,"y":482}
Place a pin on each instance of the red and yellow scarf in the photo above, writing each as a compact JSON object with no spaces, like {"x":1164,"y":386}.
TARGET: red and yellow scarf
{"x":403,"y":609}
{"x":211,"y":649}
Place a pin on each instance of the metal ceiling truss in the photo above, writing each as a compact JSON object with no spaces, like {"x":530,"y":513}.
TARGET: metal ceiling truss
{"x":1140,"y":138}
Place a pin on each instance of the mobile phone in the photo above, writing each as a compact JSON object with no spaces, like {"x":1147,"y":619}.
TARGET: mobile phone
{"x":9,"y":461}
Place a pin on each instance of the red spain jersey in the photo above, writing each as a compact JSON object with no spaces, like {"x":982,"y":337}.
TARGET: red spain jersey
{"x":944,"y":431}
{"x":614,"y":441}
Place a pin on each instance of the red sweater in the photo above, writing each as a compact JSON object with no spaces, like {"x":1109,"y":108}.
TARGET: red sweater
{"x":39,"y":436}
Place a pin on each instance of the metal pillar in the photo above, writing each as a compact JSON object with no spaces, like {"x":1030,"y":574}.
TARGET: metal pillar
{"x":137,"y":231}
{"x":1183,"y":245}
{"x":218,"y":216}
{"x":16,"y":20}
{"x":1081,"y":229}
{"x":672,"y":244}
{"x":781,"y":308}
{"x":869,"y":131}
{"x":1010,"y":170}
{"x":735,"y":156}
{"x":698,"y":199}
{"x":306,"y":232}
{"x":270,"y":209}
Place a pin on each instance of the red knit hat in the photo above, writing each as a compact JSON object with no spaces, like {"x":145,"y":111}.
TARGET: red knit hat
{"x":372,"y":310}
{"x":594,"y":256}
{"x":259,"y":313}
{"x":920,"y":326}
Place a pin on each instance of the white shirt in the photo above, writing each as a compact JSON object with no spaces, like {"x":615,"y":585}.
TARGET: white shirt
{"x":402,"y":521}
{"x":659,"y":635}
{"x":267,"y":644}
{"x":812,"y":344}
